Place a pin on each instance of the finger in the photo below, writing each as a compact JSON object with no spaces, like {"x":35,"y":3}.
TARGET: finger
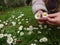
{"x":41,"y":18}
{"x":50,"y":23}
{"x":51,"y":20}
{"x":52,"y":15}
{"x":41,"y":22}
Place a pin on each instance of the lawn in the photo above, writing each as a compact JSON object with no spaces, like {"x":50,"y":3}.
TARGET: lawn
{"x":20,"y":25}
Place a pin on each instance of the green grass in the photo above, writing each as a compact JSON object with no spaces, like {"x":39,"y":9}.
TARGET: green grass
{"x":52,"y":35}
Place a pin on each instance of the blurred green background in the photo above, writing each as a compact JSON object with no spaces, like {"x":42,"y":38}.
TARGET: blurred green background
{"x":9,"y":8}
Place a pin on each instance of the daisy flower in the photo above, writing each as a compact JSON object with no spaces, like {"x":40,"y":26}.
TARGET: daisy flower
{"x":21,"y":33}
{"x":21,"y":27}
{"x":33,"y":44}
{"x":0,"y":20}
{"x":39,"y":32}
{"x":31,"y":27}
{"x":1,"y":26}
{"x":13,"y":23}
{"x":30,"y":32}
{"x":9,"y":35}
{"x":44,"y":39}
{"x":27,"y":21}
{"x":9,"y":40}
{"x":1,"y":35}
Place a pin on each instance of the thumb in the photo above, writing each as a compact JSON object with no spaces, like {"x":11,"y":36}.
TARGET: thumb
{"x":51,"y":20}
{"x":51,"y":15}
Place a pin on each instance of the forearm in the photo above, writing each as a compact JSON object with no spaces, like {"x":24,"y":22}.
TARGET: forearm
{"x":38,"y":5}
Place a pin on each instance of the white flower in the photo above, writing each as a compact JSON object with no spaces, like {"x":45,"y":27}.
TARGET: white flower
{"x":45,"y":26}
{"x":9,"y":40}
{"x":9,"y":18}
{"x":16,"y":18}
{"x":22,"y":14}
{"x":5,"y":34}
{"x":9,"y":35}
{"x":37,"y":15}
{"x":14,"y":36}
{"x":21,"y":33}
{"x":18,"y":31}
{"x":22,"y":20}
{"x":44,"y":39}
{"x":39,"y":32}
{"x":1,"y":35}
{"x":0,"y":20}
{"x":21,"y":27}
{"x":27,"y":21}
{"x":19,"y":16}
{"x":2,"y":31}
{"x":25,"y":28}
{"x":13,"y":23}
{"x":44,"y":15}
{"x":28,"y":29}
{"x":15,"y":41}
{"x":13,"y":16}
{"x":49,"y":29}
{"x":40,"y":25}
{"x":58,"y":27}
{"x":33,"y":44}
{"x":31,"y":27}
{"x":35,"y":28}
{"x":19,"y":23}
{"x":30,"y":32}
{"x":6,"y":20}
{"x":6,"y":23}
{"x":41,"y":28}
{"x":35,"y":41}
{"x":1,"y":26}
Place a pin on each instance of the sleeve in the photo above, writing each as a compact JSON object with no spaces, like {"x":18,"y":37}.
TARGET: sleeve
{"x":37,"y":5}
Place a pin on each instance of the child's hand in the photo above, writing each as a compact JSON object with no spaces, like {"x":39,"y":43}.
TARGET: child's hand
{"x":43,"y":17}
{"x":54,"y":19}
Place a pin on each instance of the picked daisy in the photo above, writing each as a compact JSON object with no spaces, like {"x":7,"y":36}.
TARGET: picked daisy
{"x":44,"y":15}
{"x":37,"y":15}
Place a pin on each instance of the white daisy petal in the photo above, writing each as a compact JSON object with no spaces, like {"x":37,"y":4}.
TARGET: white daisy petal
{"x":1,"y":26}
{"x":9,"y":40}
{"x":44,"y":39}
{"x":21,"y":33}
{"x":1,"y":35}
